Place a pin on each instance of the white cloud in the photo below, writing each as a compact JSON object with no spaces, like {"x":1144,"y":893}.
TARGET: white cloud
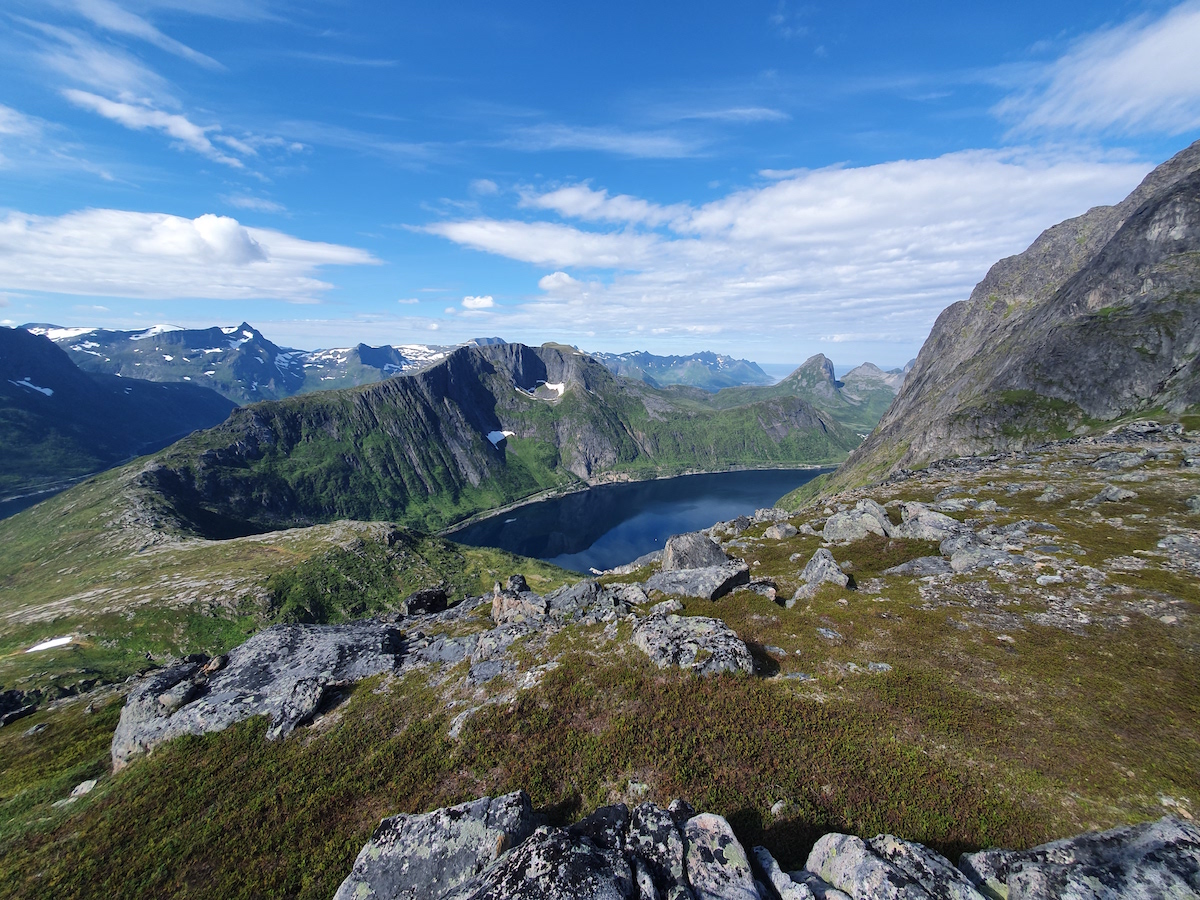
{"x":111,"y":17}
{"x":434,"y":326}
{"x":639,"y":144}
{"x":805,"y":256}
{"x":1143,"y":76}
{"x":478,"y":302}
{"x":83,"y":61}
{"x":548,"y":243}
{"x":116,"y":253}
{"x":408,"y":301}
{"x":579,"y":201}
{"x":140,"y":117}
{"x":17,"y":124}
{"x":256,"y":204}
{"x":484,"y":187}
{"x":741,"y":114}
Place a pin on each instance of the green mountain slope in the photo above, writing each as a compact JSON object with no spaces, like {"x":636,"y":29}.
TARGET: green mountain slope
{"x":417,"y":449}
{"x":856,"y":402}
{"x":58,"y":422}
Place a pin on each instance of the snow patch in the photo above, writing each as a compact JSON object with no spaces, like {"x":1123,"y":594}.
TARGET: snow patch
{"x":153,"y":331}
{"x":53,"y":642}
{"x":497,"y":436}
{"x":26,"y":383}
{"x":557,"y":387}
{"x":61,"y":334}
{"x":168,"y":358}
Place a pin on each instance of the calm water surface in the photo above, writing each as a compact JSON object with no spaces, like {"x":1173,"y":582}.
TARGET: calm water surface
{"x":615,"y":523}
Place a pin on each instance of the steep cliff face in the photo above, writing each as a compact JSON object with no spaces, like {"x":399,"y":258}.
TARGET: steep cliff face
{"x":485,"y":426}
{"x":1099,"y":318}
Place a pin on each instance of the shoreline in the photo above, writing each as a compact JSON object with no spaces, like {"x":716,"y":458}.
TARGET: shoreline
{"x":617,"y":478}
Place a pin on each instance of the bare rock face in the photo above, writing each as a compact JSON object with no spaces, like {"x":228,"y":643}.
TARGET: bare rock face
{"x":692,"y":551}
{"x":282,"y":672}
{"x":705,"y":646}
{"x":1096,"y":319}
{"x":1140,"y":862}
{"x":413,"y":857}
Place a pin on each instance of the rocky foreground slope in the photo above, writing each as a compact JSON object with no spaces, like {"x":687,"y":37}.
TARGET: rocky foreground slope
{"x":1098,"y":319}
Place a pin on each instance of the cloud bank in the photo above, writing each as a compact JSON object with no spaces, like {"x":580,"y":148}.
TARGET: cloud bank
{"x":116,"y":253}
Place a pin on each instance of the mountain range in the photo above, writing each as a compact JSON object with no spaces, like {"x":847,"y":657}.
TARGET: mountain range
{"x":58,"y":422}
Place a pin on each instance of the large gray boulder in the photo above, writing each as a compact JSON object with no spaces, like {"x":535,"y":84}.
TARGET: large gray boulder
{"x":709,"y":582}
{"x":867,"y":517}
{"x":887,"y":868}
{"x":692,"y":551}
{"x":705,"y":646}
{"x":821,"y":569}
{"x":411,"y":857}
{"x":717,"y":865}
{"x":1152,"y":861}
{"x":920,"y":523}
{"x":282,"y":672}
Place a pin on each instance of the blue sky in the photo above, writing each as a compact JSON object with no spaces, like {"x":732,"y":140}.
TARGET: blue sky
{"x":771,"y":179}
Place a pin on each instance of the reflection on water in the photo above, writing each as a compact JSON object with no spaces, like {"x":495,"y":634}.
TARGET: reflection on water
{"x":614,"y":523}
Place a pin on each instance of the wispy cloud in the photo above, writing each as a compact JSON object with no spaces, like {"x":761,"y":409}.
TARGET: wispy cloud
{"x":140,"y":117}
{"x":740,"y":114}
{"x":342,"y":59}
{"x":1142,"y":76}
{"x":110,"y":17}
{"x":638,"y":144}
{"x":16,"y":123}
{"x":805,"y":257}
{"x":117,"y":253}
{"x":255,"y":204}
{"x":82,"y":60}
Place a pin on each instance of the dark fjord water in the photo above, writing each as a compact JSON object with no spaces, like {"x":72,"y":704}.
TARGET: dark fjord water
{"x":613,"y":524}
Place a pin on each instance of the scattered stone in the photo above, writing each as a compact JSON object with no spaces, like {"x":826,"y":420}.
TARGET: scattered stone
{"x":1140,"y":862}
{"x":1045,"y":580}
{"x":704,"y":646}
{"x":955,"y":504}
{"x":772,"y":514}
{"x":1050,"y":495}
{"x":84,"y":787}
{"x":1112,"y":494}
{"x":282,"y":672}
{"x":418,"y":856}
{"x":1122,"y":459}
{"x":969,"y":560}
{"x":987,"y":506}
{"x":1193,"y":503}
{"x":710,"y":582}
{"x":878,"y":667}
{"x":692,"y":551}
{"x":35,"y":730}
{"x":829,"y":634}
{"x":668,"y":606}
{"x":780,"y":532}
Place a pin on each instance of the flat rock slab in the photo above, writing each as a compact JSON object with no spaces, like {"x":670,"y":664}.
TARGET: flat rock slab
{"x":922,"y":566}
{"x":709,"y":582}
{"x":887,"y":868}
{"x":416,"y":856}
{"x":705,"y":646}
{"x":1140,"y":862}
{"x":282,"y":672}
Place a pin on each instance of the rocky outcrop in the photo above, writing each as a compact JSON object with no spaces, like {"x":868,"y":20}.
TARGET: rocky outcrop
{"x":702,"y":645}
{"x":821,"y":569}
{"x":490,"y":849}
{"x":282,"y":673}
{"x":1140,"y":862}
{"x":613,"y":854}
{"x":867,"y":517}
{"x":414,"y":857}
{"x":1097,"y":319}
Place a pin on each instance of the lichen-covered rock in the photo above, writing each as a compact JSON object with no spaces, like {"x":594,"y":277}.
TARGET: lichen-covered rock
{"x":524,"y":606}
{"x":921,"y":566}
{"x":867,"y":517}
{"x":919,"y":523}
{"x":1112,"y":493}
{"x":705,"y":646}
{"x":717,"y":865}
{"x":887,"y":868}
{"x":411,"y":857}
{"x":282,"y":672}
{"x":710,"y":582}
{"x":784,"y":886}
{"x":1140,"y":862}
{"x":692,"y":551}
{"x":781,"y":531}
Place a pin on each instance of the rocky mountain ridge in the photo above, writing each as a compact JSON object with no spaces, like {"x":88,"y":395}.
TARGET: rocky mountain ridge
{"x":58,"y":422}
{"x":1098,"y":319}
{"x":708,"y":371}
